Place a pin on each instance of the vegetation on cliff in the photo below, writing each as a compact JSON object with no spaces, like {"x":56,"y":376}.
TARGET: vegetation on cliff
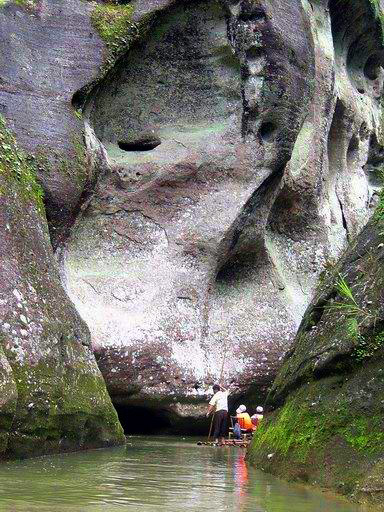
{"x":16,"y":166}
{"x":379,"y":14}
{"x":329,"y":433}
{"x":29,"y":4}
{"x":75,"y":167}
{"x":331,"y":387}
{"x":114,"y":24}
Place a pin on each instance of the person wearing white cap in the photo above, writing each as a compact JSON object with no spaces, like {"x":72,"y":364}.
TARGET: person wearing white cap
{"x":244,"y":418}
{"x":256,"y":418}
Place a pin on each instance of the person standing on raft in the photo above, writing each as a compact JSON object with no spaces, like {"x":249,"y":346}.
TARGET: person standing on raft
{"x":219,"y":404}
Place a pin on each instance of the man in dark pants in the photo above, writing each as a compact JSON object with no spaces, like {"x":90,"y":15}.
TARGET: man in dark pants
{"x":219,"y":404}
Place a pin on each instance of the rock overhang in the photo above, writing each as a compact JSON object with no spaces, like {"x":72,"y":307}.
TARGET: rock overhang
{"x":225,"y":222}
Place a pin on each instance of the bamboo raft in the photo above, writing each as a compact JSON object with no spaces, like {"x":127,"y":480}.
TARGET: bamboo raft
{"x":241,"y":443}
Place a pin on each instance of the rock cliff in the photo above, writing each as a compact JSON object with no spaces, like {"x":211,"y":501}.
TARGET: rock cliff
{"x":328,"y":427}
{"x":202,"y":162}
{"x":53,"y":397}
{"x":234,"y":139}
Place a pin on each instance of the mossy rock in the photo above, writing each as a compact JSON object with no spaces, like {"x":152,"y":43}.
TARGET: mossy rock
{"x":16,"y":167}
{"x":328,"y":433}
{"x":328,"y":428}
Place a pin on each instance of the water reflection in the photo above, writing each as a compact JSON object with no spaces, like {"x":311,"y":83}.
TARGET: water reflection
{"x":155,"y":474}
{"x":241,"y":480}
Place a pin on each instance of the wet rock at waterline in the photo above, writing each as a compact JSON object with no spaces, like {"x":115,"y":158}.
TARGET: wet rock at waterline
{"x":328,"y":426}
{"x":238,"y":160}
{"x":53,"y":397}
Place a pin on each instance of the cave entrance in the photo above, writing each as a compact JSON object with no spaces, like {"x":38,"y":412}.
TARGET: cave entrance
{"x":142,"y":420}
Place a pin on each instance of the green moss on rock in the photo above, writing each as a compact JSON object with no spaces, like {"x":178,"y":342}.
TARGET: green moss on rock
{"x":329,"y":427}
{"x":309,"y":420}
{"x":16,"y":167}
{"x":61,"y":407}
{"x":28,"y":4}
{"x":113,"y":22}
{"x":72,"y":164}
{"x":329,"y":432}
{"x":379,"y":14}
{"x":115,"y":26}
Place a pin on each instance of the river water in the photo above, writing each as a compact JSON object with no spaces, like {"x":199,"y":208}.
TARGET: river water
{"x":153,"y":474}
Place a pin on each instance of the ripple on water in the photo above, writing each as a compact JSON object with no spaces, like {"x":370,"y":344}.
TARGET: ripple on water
{"x":155,"y":474}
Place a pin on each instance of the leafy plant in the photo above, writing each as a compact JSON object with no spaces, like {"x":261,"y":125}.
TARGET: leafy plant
{"x":79,"y":113}
{"x":350,"y":307}
{"x":367,"y":348}
{"x":357,"y":317}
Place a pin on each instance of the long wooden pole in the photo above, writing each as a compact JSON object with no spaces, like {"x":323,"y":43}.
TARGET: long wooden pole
{"x":220,"y":381}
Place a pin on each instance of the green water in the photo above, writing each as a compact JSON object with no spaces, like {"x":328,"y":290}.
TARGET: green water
{"x":153,"y":474}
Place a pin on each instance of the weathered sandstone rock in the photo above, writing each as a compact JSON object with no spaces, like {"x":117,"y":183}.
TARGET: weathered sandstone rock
{"x":230,"y":149}
{"x":49,"y":51}
{"x":168,"y":265}
{"x":208,"y":246}
{"x":53,"y":396}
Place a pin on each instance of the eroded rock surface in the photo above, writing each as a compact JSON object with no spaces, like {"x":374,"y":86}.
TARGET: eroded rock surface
{"x":237,"y":141}
{"x":53,"y":397}
{"x":49,"y":51}
{"x":151,"y":263}
{"x":236,"y":145}
{"x":328,"y":428}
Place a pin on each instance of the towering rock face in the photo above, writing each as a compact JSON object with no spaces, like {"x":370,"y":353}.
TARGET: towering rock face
{"x":328,"y":427}
{"x":170,"y":264}
{"x":53,"y":396}
{"x":237,"y":140}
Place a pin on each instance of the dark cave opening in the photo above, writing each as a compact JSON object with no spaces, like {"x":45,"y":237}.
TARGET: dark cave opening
{"x":143,"y":420}
{"x":335,"y":137}
{"x":267,"y":132}
{"x":139,"y":145}
{"x":254,"y":53}
{"x":251,"y":13}
{"x":147,"y":420}
{"x":372,"y":67}
{"x":353,"y":151}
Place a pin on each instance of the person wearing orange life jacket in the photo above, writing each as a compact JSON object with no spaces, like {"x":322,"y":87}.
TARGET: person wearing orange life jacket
{"x":244,"y":419}
{"x":256,"y":418}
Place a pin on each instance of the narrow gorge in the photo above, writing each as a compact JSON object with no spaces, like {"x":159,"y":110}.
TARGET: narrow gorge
{"x":190,"y":190}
